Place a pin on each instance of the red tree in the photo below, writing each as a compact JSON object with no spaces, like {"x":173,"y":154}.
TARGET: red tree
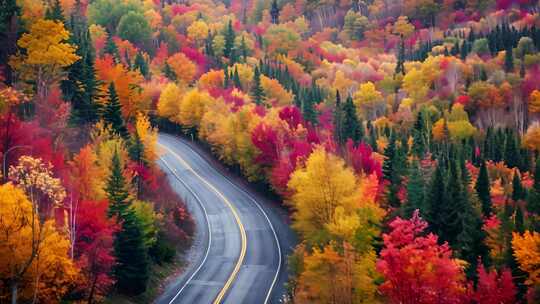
{"x":416,"y":269}
{"x":94,"y":248}
{"x":494,"y":288}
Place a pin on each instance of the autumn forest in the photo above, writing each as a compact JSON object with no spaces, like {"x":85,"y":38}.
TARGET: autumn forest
{"x":398,"y":140}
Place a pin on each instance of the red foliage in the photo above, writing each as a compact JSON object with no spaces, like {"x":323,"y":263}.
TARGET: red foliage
{"x":93,"y":248}
{"x":360,"y":158}
{"x":494,"y":288}
{"x":292,"y":116}
{"x":266,"y":139}
{"x":416,"y":269}
{"x":197,"y":57}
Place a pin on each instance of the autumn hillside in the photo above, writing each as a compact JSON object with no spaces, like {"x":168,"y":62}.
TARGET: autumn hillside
{"x":402,"y":136}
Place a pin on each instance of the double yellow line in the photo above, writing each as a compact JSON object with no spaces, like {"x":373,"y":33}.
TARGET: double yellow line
{"x":236,"y":269}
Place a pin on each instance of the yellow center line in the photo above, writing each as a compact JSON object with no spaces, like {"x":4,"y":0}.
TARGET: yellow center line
{"x":231,"y":278}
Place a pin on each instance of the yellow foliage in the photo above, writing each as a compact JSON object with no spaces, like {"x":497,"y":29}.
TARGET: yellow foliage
{"x":25,"y":241}
{"x":534,"y":102}
{"x":369,"y":101}
{"x":331,"y":277}
{"x":527,"y":252}
{"x":192,"y":108}
{"x":197,"y":31}
{"x":531,"y":140}
{"x":45,"y":45}
{"x":148,"y":136}
{"x":89,"y":176}
{"x":342,"y":83}
{"x":184,"y":68}
{"x":211,"y":79}
{"x":318,"y":189}
{"x":402,"y":26}
{"x":414,"y":85}
{"x":273,"y":90}
{"x":169,"y":101}
{"x":245,"y":72}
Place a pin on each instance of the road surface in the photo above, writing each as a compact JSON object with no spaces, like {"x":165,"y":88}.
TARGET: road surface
{"x":242,"y":239}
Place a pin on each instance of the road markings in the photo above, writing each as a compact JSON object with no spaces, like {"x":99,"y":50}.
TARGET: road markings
{"x":243,"y":250}
{"x":208,"y":226}
{"x":267,"y":219}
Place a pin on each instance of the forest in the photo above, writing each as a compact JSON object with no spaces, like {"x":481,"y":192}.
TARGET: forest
{"x":401,"y":136}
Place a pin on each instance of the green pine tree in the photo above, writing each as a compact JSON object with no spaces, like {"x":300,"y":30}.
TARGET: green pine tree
{"x":55,"y":12}
{"x":482,"y":188}
{"x":533,"y":201}
{"x":338,"y":121}
{"x":415,"y":192}
{"x":228,"y":51}
{"x":112,"y":113}
{"x":168,"y":72}
{"x":257,"y":91}
{"x":116,"y":188}
{"x":518,"y":191}
{"x":236,"y":79}
{"x":111,"y":48}
{"x":132,"y":264}
{"x":352,"y":127}
{"x":509,"y":59}
{"x":141,"y":65}
{"x":419,"y":141}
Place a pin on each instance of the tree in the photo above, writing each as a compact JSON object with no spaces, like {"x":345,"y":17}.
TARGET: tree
{"x":508,"y":59}
{"x":112,"y":112}
{"x":352,"y":127}
{"x":527,"y":253}
{"x":94,"y":249}
{"x":415,"y":192}
{"x":141,"y":65}
{"x":369,"y":101}
{"x":117,"y":190}
{"x":533,"y":201}
{"x":9,"y":15}
{"x":257,"y":92}
{"x":46,"y":55}
{"x":168,"y":100}
{"x":274,"y":12}
{"x":494,"y":287}
{"x":416,"y":269}
{"x":55,"y":13}
{"x":38,"y":266}
{"x":228,"y":48}
{"x":324,"y":173}
{"x":134,"y":27}
{"x":111,"y":48}
{"x":183,"y":68}
{"x":482,"y":188}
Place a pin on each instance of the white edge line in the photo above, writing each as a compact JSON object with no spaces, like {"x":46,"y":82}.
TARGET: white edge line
{"x":258,"y":206}
{"x":208,"y":225}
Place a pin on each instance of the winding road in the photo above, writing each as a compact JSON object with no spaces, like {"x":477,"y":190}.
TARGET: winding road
{"x":242,"y":239}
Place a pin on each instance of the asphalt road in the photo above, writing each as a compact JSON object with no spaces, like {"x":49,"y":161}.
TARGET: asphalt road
{"x":242,"y":238}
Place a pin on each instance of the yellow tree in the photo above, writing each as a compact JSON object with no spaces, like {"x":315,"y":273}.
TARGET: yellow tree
{"x":148,"y":136}
{"x":169,"y":101}
{"x":531,"y":140}
{"x":333,"y":277}
{"x":527,"y":252}
{"x":87,"y":175}
{"x":46,"y":54}
{"x":323,"y":185}
{"x":35,"y":263}
{"x":192,"y":107}
{"x":184,"y":69}
{"x":369,"y":101}
{"x":198,"y":31}
{"x":534,"y":102}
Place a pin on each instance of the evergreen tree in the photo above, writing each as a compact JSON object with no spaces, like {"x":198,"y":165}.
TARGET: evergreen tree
{"x":509,"y":59}
{"x":512,"y":156}
{"x":244,"y":49}
{"x":257,"y":92}
{"x":229,"y":42}
{"x":112,"y":113}
{"x":136,"y":149}
{"x":391,"y":171}
{"x":116,"y":188}
{"x":226,"y":80}
{"x":419,"y":141}
{"x":274,"y":12}
{"x":141,"y":65}
{"x":55,"y":12}
{"x":308,"y":111}
{"x":436,"y":198}
{"x":111,"y":48}
{"x":236,"y":79}
{"x":352,"y":128}
{"x":389,"y":155}
{"x":482,"y":188}
{"x":520,"y":222}
{"x":338,"y":121}
{"x":372,"y":136}
{"x":168,"y":72}
{"x":518,"y":192}
{"x":400,"y":67}
{"x":415,"y":192}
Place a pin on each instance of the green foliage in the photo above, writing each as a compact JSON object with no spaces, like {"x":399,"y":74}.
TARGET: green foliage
{"x":108,"y":13}
{"x":482,"y":188}
{"x":147,"y":217}
{"x":257,"y":91}
{"x":112,"y":113}
{"x":134,"y":27}
{"x":117,"y":190}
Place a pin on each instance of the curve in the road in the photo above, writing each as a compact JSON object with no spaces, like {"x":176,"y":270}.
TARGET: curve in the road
{"x":243,"y":236}
{"x":209,"y":227}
